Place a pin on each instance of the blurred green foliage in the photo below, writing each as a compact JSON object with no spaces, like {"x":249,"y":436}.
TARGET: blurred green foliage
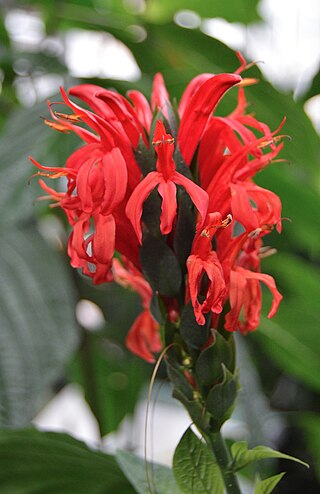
{"x":38,"y":292}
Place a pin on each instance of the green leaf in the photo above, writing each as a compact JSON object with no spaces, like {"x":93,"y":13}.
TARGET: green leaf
{"x":195,"y":468}
{"x":313,"y":89}
{"x":160,"y":477}
{"x":299,"y":233}
{"x":145,"y":157}
{"x":185,"y":228}
{"x":33,"y":462}
{"x":209,"y":367}
{"x":24,"y":135}
{"x":242,"y":456}
{"x":266,"y":486}
{"x":292,"y":339}
{"x":309,"y":422}
{"x":221,"y":398}
{"x":192,"y":333}
{"x":38,"y":329}
{"x":241,"y":11}
{"x":179,"y":380}
{"x":160,"y":266}
{"x":292,"y":351}
{"x":107,"y":373}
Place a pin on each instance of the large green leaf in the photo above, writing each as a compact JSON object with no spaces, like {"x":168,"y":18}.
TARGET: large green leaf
{"x":300,"y":232}
{"x":107,"y":374}
{"x":240,"y":11}
{"x":33,"y":462}
{"x":195,"y":468}
{"x":292,"y":338}
{"x":24,"y":134}
{"x":135,"y":469}
{"x":38,"y":331}
{"x":313,"y":90}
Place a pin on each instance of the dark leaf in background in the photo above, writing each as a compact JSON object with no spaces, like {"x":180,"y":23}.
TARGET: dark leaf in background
{"x":38,"y":330}
{"x":313,"y":90}
{"x":107,"y":374}
{"x":33,"y":462}
{"x":24,"y":135}
{"x":160,"y":266}
{"x":291,"y":338}
{"x":164,"y":10}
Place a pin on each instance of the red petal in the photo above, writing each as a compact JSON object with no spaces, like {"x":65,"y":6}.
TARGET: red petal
{"x":242,"y":209}
{"x":238,"y":285}
{"x":138,"y":196}
{"x":116,"y":178}
{"x":167,"y":191}
{"x":199,"y":109}
{"x":267,"y":280}
{"x":198,"y":196}
{"x":103,"y":239}
{"x":195,"y":272}
{"x":54,"y":169}
{"x":98,"y":124}
{"x":124,"y":113}
{"x":191,"y":89}
{"x":143,"y":337}
{"x":88,"y":94}
{"x":83,"y":185}
{"x":159,"y":96}
{"x":142,"y":108}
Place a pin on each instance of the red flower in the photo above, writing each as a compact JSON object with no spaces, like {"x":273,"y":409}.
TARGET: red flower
{"x":165,"y":178}
{"x":143,"y":338}
{"x":105,"y":196}
{"x":245,"y":295}
{"x":204,"y":268}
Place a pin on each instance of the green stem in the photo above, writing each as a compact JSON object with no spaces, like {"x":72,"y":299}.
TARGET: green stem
{"x":222,"y":455}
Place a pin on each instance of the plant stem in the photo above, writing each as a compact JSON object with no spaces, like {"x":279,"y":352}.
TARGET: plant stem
{"x":222,"y":455}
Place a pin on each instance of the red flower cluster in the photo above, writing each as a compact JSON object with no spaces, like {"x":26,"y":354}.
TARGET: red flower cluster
{"x":107,"y":192}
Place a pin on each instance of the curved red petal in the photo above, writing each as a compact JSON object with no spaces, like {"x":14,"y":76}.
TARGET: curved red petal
{"x":167,"y":191}
{"x":198,"y":196}
{"x":137,"y":198}
{"x":159,"y":96}
{"x":115,"y":180}
{"x":142,"y":108}
{"x":199,"y":109}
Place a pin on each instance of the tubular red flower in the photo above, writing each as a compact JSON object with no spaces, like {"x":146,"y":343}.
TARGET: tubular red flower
{"x":245,"y":293}
{"x":166,"y":178}
{"x":143,"y":338}
{"x":214,"y":292}
{"x":205,"y":274}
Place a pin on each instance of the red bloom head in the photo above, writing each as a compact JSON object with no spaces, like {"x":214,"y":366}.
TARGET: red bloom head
{"x":175,"y":184}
